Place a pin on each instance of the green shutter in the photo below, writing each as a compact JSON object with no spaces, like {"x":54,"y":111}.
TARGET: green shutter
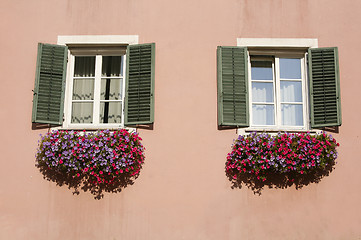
{"x":324,"y":87}
{"x":232,"y":80}
{"x":139,"y":98}
{"x":48,"y":100}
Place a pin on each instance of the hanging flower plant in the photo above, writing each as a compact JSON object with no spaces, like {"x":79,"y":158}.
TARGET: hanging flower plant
{"x":256,"y":157}
{"x":99,"y":158}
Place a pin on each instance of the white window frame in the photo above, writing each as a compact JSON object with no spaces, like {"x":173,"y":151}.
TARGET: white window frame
{"x":278,"y":48}
{"x":104,"y":42}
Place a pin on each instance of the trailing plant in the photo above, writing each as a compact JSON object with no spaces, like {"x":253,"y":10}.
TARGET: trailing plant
{"x":98,"y":158}
{"x":258,"y":156}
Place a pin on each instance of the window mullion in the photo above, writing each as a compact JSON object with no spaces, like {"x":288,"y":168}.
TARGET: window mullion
{"x":263,"y":103}
{"x":304,"y":93}
{"x":97,"y":82}
{"x":250,"y":90}
{"x":69,"y":90}
{"x":292,"y":103}
{"x":278,"y":108}
{"x":123,"y":73}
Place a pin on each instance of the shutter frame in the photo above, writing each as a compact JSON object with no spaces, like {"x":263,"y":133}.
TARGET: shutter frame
{"x":233,"y":104}
{"x":143,"y":74}
{"x":324,"y":86}
{"x":49,"y":88}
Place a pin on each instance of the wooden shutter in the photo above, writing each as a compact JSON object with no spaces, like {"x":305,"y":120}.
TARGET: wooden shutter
{"x":48,"y":100}
{"x":324,"y":87}
{"x":139,"y":98}
{"x":232,"y":80}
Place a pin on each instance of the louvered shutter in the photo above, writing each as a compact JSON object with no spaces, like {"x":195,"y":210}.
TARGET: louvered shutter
{"x":48,"y":100}
{"x":324,"y":87}
{"x":139,"y":98}
{"x":232,"y":80}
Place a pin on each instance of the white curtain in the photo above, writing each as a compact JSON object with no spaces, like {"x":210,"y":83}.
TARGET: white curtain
{"x":110,"y":112}
{"x":83,"y":89}
{"x":291,"y":92}
{"x":263,"y":114}
{"x":82,"y":112}
{"x":111,"y":66}
{"x":84,"y":66}
{"x":111,"y":89}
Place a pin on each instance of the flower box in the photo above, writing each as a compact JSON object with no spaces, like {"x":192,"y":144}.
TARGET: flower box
{"x":100,"y":157}
{"x":261,"y":156}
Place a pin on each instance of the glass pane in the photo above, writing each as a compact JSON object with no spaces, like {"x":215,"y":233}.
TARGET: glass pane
{"x":82,"y":112}
{"x":110,"y":112}
{"x":292,"y":114}
{"x":83,"y":89}
{"x":262,"y":92}
{"x":263,"y":114}
{"x":111,"y":89}
{"x":261,"y":70}
{"x":291,"y":91}
{"x":111,"y":66}
{"x":84,"y":66}
{"x":290,"y":68}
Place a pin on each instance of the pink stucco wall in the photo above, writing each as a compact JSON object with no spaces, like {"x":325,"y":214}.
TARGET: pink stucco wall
{"x":182,"y":191}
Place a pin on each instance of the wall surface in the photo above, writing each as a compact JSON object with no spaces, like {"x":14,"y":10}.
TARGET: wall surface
{"x":182,"y":191}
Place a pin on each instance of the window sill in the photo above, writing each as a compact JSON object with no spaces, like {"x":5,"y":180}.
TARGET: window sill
{"x":94,"y":127}
{"x":274,"y":131}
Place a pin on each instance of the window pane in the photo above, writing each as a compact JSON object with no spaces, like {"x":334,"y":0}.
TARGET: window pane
{"x":82,"y":112}
{"x":290,"y":68}
{"x":291,"y":91}
{"x":292,"y":114}
{"x":83,"y":89}
{"x":263,"y":114}
{"x":111,"y":89}
{"x":84,"y":66}
{"x":261,"y":70}
{"x":262,"y":92}
{"x":111,"y":66}
{"x":110,"y":112}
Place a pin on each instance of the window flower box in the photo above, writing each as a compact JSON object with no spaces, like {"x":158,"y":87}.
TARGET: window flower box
{"x":99,"y":159}
{"x":261,"y":157}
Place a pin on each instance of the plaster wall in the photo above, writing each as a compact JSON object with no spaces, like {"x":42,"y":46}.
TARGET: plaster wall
{"x":182,"y":191}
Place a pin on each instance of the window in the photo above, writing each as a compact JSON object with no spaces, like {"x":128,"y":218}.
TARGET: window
{"x":92,"y":82}
{"x":95,"y":93}
{"x":277,"y":94}
{"x":268,"y":85}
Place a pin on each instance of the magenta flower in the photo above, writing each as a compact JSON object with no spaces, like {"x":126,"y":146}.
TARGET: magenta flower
{"x":104,"y":153}
{"x":261,"y":154}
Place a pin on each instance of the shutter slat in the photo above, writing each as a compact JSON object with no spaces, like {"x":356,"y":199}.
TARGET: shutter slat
{"x":232,"y":78}
{"x":48,"y":100}
{"x":139,"y":99}
{"x":324,"y":87}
